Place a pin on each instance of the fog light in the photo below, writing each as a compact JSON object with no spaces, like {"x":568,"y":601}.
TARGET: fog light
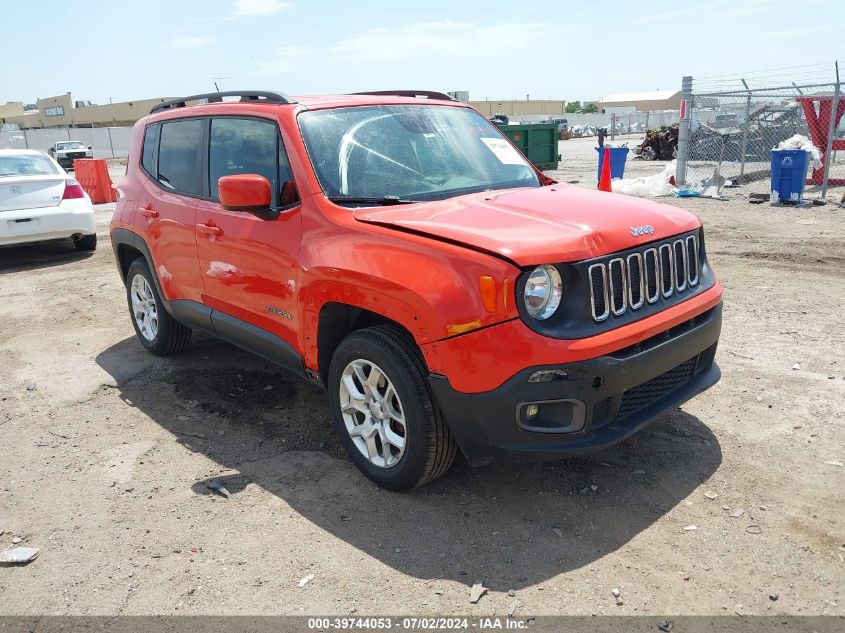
{"x":531,"y":411}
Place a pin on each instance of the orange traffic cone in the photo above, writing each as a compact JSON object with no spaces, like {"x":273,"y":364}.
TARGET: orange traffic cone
{"x":604,"y":181}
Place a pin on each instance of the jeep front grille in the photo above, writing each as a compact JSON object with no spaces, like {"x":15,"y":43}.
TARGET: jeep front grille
{"x":644,"y":277}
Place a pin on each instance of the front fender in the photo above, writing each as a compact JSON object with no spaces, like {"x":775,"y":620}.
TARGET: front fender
{"x":431,"y":288}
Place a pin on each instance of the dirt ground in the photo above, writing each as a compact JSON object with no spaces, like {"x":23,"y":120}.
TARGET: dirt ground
{"x":106,"y":452}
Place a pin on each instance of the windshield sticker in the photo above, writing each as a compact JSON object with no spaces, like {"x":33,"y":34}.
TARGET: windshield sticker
{"x":503,"y":150}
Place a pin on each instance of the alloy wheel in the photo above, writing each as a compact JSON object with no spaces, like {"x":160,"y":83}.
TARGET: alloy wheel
{"x":144,"y":309}
{"x":373,"y":413}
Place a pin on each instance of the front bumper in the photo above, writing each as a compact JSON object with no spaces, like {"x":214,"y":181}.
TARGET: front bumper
{"x":66,"y":160}
{"x":587,"y":405}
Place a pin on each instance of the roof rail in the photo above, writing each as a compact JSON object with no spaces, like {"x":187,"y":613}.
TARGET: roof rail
{"x":427,"y":94}
{"x":217,"y":97}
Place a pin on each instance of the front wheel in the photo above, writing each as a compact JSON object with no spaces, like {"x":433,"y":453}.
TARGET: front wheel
{"x":384,"y":412}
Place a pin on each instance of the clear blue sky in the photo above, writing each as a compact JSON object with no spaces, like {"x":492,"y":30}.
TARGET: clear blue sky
{"x":131,"y":49}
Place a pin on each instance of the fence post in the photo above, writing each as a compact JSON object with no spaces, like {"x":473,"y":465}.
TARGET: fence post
{"x":111,"y":145}
{"x":745,"y":128}
{"x":612,"y":127}
{"x":683,"y":133}
{"x":828,"y":155}
{"x":26,"y":139}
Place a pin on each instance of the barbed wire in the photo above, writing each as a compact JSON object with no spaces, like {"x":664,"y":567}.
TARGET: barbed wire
{"x":745,"y":75}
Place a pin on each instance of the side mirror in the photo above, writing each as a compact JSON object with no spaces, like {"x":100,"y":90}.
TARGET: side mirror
{"x":245,"y":192}
{"x":89,"y":147}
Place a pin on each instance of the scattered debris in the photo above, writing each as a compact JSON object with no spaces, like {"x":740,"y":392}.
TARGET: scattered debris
{"x":659,"y":144}
{"x":773,"y":597}
{"x":754,"y":529}
{"x":306,"y":580}
{"x":737,"y":513}
{"x":476,"y":592}
{"x":690,"y":528}
{"x":833,"y":462}
{"x":19,"y":555}
{"x":616,"y":593}
{"x":31,"y":386}
{"x":638,"y":472}
{"x":594,"y":487}
{"x":189,"y":434}
{"x":558,"y":531}
{"x":218,"y":487}
{"x":511,"y":593}
{"x":16,"y":540}
{"x":513,"y":607}
{"x":759,"y":198}
{"x":796,"y":366}
{"x":711,"y":495}
{"x":439,"y":592}
{"x":666,"y":626}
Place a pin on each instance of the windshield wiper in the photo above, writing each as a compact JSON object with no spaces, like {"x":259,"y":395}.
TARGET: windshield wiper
{"x":383,"y":201}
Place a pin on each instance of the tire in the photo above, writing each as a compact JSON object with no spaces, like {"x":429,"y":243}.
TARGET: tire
{"x":168,"y":336}
{"x":428,"y":447}
{"x":86,"y":243}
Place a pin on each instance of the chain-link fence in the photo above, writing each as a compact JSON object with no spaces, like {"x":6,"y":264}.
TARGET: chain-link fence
{"x":734,"y":130}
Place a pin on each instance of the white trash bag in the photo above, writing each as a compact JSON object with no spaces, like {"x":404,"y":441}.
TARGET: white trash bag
{"x":646,"y":186}
{"x":802,"y":142}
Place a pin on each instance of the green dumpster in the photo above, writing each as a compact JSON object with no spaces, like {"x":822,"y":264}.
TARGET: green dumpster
{"x":538,"y":142}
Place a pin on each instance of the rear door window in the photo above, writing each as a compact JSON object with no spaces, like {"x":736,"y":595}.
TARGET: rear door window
{"x":180,"y":156}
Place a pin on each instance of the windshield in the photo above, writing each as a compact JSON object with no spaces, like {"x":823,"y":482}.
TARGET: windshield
{"x":413,"y":152}
{"x":71,"y":145}
{"x":26,"y":165}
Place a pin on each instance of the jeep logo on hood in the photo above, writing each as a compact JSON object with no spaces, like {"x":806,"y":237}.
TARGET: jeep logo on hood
{"x":642,"y":230}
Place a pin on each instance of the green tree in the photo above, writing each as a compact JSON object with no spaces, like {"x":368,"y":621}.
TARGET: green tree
{"x":591,"y":107}
{"x":573,"y":106}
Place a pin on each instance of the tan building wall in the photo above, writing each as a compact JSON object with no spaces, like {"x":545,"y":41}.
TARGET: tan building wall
{"x":518,"y":107}
{"x":12,"y":108}
{"x":670,"y":103}
{"x":59,"y":112}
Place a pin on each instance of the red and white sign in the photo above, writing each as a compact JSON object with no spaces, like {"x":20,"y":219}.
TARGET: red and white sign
{"x":683,"y":109}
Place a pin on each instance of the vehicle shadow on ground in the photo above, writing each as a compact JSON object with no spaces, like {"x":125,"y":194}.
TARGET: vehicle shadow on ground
{"x":14,"y":259}
{"x":510,"y":525}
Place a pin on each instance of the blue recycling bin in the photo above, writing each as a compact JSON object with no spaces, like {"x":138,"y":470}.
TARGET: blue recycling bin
{"x":618,"y":156}
{"x":789,"y":173}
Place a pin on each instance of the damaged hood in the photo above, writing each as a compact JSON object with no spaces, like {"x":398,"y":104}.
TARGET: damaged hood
{"x":559,"y":223}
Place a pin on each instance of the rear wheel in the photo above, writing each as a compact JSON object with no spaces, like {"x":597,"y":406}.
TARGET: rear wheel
{"x":383,"y":410}
{"x":159,"y":332}
{"x":86,"y":243}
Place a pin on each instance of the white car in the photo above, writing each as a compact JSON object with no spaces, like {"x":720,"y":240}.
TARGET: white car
{"x":39,"y":202}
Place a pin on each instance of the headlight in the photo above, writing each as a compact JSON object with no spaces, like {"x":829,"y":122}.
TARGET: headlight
{"x":543,"y":291}
{"x":89,"y":154}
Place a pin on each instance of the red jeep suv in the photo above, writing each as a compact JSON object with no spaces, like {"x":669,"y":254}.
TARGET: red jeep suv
{"x":396,"y":248}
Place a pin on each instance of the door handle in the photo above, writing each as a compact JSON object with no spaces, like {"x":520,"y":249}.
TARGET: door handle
{"x":209,"y":229}
{"x":149,"y":212}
